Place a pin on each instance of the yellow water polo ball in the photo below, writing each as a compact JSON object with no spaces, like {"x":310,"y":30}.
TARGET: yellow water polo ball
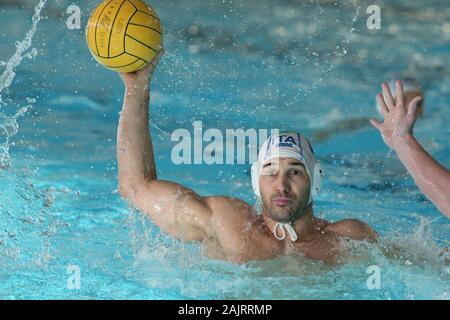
{"x":124,"y":35}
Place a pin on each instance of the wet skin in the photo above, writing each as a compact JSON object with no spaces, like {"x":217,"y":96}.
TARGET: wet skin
{"x":227,"y":228}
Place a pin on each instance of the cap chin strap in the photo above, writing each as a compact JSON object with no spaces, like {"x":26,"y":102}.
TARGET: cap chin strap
{"x":289,"y":229}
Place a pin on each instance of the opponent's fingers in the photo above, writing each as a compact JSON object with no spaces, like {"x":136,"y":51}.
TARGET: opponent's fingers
{"x":383,"y":108}
{"x":376,"y":124}
{"x":412,"y":107}
{"x":388,"y":96}
{"x":400,"y":99}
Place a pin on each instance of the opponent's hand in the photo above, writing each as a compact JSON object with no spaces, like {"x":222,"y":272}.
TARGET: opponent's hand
{"x":399,"y":119}
{"x":142,"y":76}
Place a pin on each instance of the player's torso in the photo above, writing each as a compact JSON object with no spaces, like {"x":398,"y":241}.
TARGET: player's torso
{"x":242,"y":236}
{"x":326,"y":249}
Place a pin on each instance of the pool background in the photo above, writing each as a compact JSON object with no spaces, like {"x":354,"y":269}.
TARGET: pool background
{"x":259,"y":64}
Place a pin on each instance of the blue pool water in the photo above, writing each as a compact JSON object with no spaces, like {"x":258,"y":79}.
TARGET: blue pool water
{"x":302,"y":65}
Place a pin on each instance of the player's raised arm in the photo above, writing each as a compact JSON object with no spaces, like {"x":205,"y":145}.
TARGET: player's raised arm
{"x":397,"y":131}
{"x":174,"y":208}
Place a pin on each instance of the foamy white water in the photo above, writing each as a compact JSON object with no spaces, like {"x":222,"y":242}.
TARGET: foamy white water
{"x":21,"y":47}
{"x":8,"y":124}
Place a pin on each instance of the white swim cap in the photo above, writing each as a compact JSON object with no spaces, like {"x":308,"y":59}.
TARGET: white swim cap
{"x":409,"y":85}
{"x":288,"y":145}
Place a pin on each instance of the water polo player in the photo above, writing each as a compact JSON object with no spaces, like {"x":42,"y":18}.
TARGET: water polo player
{"x":285,"y":177}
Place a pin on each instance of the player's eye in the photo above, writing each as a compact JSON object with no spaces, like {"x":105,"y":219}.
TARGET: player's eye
{"x":295,"y":172}
{"x":268,"y":171}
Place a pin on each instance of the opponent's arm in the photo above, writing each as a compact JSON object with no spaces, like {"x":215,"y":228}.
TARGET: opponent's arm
{"x":397,"y":131}
{"x":174,"y":208}
{"x":432,"y":178}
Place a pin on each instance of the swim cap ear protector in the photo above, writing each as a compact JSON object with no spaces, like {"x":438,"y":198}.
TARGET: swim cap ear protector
{"x":289,"y":145}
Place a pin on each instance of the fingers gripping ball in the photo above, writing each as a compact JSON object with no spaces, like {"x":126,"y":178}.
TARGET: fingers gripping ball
{"x":124,"y":35}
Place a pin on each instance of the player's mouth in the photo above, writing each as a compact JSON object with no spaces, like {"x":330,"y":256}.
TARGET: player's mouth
{"x":281,"y":201}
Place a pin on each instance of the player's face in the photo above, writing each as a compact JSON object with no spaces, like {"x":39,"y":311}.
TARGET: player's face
{"x":285,"y":189}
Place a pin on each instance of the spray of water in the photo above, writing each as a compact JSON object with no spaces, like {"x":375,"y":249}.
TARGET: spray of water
{"x":8,"y":124}
{"x":26,"y":224}
{"x":21,"y":47}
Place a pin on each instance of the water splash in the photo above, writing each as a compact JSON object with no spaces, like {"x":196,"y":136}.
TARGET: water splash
{"x":8,"y":128}
{"x":26,"y":223}
{"x":8,"y":124}
{"x":21,"y":47}
{"x":418,"y":248}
